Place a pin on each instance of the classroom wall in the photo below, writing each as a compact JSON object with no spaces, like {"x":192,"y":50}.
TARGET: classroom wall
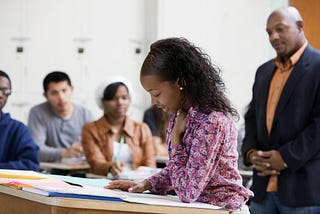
{"x":52,"y":34}
{"x":232,"y":32}
{"x":115,"y":36}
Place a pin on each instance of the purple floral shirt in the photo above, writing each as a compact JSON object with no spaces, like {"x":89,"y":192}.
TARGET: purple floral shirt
{"x":204,"y":168}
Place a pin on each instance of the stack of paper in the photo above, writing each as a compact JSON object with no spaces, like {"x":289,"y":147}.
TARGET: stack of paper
{"x":49,"y":185}
{"x":96,"y":182}
{"x":165,"y":200}
{"x":42,"y":184}
{"x":141,"y":173}
{"x":25,"y":178}
{"x":86,"y":192}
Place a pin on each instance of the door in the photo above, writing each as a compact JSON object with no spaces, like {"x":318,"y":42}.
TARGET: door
{"x":309,"y":10}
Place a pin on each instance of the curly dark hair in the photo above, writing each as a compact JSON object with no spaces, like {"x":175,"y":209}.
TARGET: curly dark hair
{"x":178,"y":60}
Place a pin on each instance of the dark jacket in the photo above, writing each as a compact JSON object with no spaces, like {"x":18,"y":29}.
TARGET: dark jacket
{"x":17,"y":148}
{"x":295,"y":130}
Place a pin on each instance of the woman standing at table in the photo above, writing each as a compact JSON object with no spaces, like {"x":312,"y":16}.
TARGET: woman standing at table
{"x":115,"y":142}
{"x":201,"y":138}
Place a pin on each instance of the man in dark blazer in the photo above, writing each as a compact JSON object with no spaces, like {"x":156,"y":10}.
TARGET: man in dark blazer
{"x":282,"y":139}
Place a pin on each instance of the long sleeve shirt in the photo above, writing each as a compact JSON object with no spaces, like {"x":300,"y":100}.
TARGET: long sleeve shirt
{"x":98,"y":142}
{"x":17,"y":148}
{"x":204,"y":168}
{"x":53,"y":133}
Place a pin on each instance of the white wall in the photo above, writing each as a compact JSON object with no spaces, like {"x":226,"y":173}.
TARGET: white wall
{"x":51,"y":31}
{"x":232,"y":32}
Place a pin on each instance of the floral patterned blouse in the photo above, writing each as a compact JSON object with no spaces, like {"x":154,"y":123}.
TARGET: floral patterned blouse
{"x":204,"y":168}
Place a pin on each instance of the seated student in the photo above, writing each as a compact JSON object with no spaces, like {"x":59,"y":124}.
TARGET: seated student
{"x":202,"y":138}
{"x":115,"y":142}
{"x":56,"y":124}
{"x":17,"y":149}
{"x":157,"y":120}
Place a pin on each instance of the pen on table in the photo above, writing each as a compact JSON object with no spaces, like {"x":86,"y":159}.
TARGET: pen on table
{"x":73,"y":184}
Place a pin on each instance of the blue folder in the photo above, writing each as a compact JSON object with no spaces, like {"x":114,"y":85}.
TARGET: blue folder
{"x":93,"y":197}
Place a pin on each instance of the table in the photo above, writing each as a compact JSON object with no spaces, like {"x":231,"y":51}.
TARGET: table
{"x":59,"y":168}
{"x":18,"y":201}
{"x":64,"y":166}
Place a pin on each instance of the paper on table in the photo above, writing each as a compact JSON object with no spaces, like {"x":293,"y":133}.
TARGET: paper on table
{"x":47,"y":185}
{"x":51,"y":186}
{"x":23,"y":178}
{"x":95,"y":182}
{"x":20,"y":174}
{"x":88,"y":192}
{"x":142,"y":172}
{"x":165,"y":200}
{"x":115,"y":195}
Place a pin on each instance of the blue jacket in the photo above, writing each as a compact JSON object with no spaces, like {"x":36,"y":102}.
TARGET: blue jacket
{"x":17,"y":148}
{"x":295,"y":131}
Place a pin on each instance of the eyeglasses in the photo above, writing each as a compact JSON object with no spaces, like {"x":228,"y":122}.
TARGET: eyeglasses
{"x":6,"y":91}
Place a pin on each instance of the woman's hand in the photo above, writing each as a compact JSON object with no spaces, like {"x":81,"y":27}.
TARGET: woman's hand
{"x":129,"y":186}
{"x":179,"y":127}
{"x":116,"y":168}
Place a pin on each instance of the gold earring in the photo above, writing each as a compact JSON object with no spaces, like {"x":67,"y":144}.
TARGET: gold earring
{"x":178,"y":112}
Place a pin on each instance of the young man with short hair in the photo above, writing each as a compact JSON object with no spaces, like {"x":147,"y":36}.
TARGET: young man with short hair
{"x":57,"y":123}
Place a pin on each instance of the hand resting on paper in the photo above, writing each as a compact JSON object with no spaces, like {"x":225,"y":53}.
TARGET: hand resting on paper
{"x":129,"y":186}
